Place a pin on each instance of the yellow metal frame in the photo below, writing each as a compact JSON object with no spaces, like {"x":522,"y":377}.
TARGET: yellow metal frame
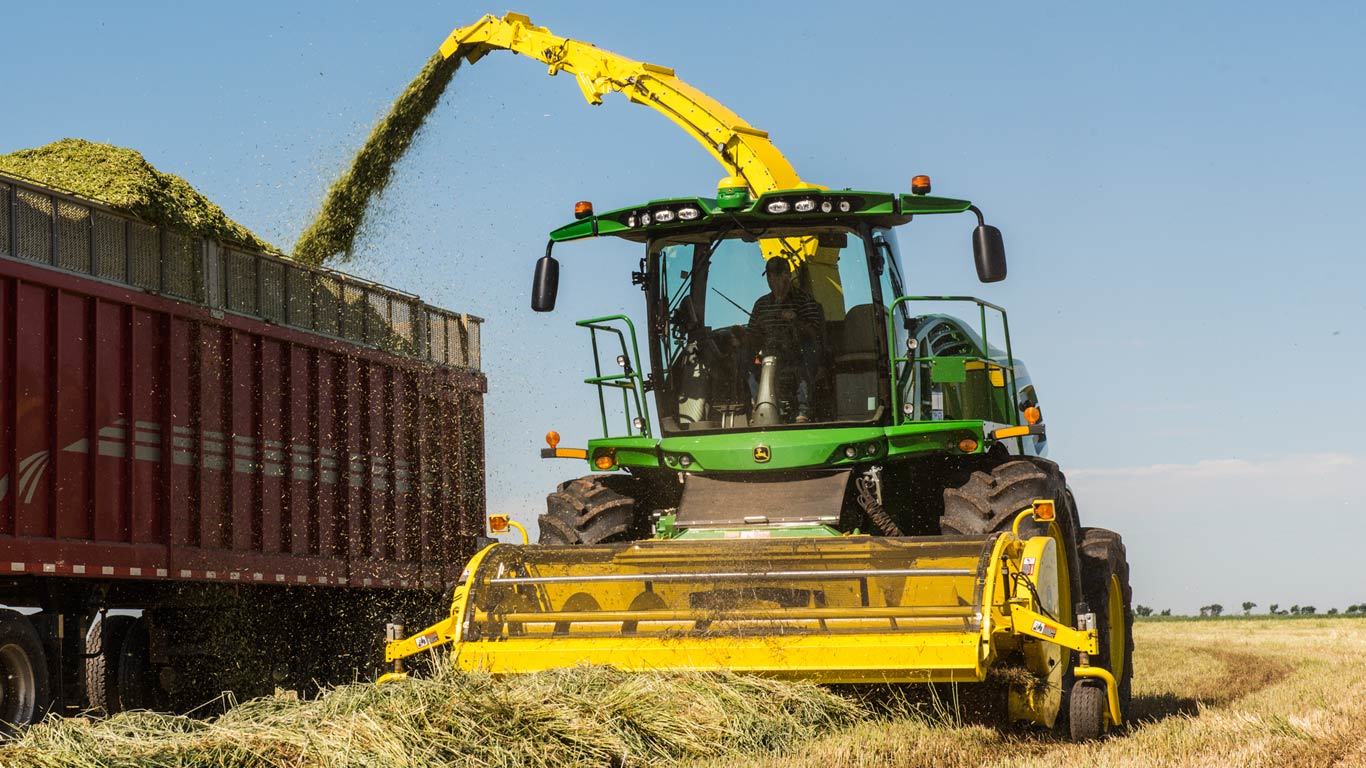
{"x":1112,"y":714}
{"x":738,"y":146}
{"x":942,"y":648}
{"x":745,"y":152}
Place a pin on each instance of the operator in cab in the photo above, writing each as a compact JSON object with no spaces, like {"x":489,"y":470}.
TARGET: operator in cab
{"x":788,"y":323}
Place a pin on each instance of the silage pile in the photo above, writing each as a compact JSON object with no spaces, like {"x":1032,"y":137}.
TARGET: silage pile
{"x":122,"y":179}
{"x":332,"y":235}
{"x":589,"y":716}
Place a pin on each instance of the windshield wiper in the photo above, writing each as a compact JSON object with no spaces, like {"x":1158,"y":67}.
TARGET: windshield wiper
{"x":732,"y":301}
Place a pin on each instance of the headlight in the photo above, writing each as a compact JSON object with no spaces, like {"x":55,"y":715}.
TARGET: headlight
{"x":688,"y":214}
{"x":844,"y":206}
{"x":685,"y":461}
{"x":644,"y":219}
{"x":804,"y":206}
{"x":631,"y":221}
{"x":826,"y":206}
{"x":664,"y":217}
{"x":778,"y":206}
{"x":638,"y":423}
{"x":851,"y":452}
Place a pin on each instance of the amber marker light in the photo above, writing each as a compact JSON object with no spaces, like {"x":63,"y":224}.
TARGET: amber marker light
{"x":920,"y":185}
{"x":605,"y":460}
{"x":967,"y":444}
{"x":583,"y":209}
{"x":1033,"y":415}
{"x":1044,"y":510}
{"x":552,"y":439}
{"x":499,"y":523}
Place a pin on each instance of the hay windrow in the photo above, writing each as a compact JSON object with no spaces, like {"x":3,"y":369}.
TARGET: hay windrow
{"x":332,"y":235}
{"x":588,"y":716}
{"x":122,"y":179}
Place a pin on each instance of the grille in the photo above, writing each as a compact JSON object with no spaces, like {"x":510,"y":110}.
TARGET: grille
{"x":436,"y":332}
{"x":145,"y":256}
{"x":241,"y":282}
{"x":181,"y":266}
{"x":299,"y":311}
{"x":353,"y":313}
{"x":111,"y":248}
{"x":73,"y":237}
{"x":327,"y":306}
{"x":272,"y":290}
{"x":34,"y":225}
{"x":4,"y":219}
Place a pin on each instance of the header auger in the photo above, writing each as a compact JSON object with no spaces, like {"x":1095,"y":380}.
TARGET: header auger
{"x":837,"y":483}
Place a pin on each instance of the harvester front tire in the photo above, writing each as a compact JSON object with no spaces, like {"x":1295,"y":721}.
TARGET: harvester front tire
{"x":1086,"y":710}
{"x":103,"y":644}
{"x":1104,"y":564}
{"x":989,"y":501}
{"x":592,"y":510}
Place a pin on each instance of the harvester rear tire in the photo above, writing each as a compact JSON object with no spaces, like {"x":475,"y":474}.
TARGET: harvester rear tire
{"x":102,"y":645}
{"x":596,"y":509}
{"x":1086,"y":710}
{"x":1103,"y":556}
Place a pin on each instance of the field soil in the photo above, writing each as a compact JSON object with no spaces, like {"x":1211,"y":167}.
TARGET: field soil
{"x":1228,"y":692}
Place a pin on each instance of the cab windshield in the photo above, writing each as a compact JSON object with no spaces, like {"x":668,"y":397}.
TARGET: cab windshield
{"x":769,"y":328}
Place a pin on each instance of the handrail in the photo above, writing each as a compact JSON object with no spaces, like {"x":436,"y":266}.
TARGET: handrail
{"x":635,"y":390}
{"x":894,"y":358}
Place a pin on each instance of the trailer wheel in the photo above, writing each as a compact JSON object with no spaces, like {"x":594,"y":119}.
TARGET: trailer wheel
{"x":1105,"y":585}
{"x":23,"y":672}
{"x":592,"y":510}
{"x":1086,"y":711}
{"x":103,"y":646}
{"x":136,"y":680}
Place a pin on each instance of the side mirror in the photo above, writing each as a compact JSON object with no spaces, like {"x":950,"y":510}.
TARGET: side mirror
{"x":545,"y":286}
{"x":989,"y":251}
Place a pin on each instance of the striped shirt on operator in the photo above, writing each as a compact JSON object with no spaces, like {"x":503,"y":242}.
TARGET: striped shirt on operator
{"x":774,"y":332}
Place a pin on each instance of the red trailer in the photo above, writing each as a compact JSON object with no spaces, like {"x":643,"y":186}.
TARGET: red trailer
{"x":242,"y":450}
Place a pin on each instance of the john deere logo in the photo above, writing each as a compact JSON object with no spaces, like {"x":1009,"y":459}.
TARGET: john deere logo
{"x":762,"y":454}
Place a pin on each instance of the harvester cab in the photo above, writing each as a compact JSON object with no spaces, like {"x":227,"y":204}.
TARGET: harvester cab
{"x":790,"y":371}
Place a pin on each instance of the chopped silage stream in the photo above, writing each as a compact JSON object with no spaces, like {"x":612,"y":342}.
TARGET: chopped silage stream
{"x":332,"y":235}
{"x":588,"y":716}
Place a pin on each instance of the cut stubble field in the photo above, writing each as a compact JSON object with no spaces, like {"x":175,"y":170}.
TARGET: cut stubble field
{"x":1206,"y":693}
{"x":1283,"y":693}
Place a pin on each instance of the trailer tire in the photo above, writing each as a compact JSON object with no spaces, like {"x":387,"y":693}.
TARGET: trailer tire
{"x":103,"y":646}
{"x":592,"y":510}
{"x":24,"y":687}
{"x":137,"y":683}
{"x":1105,"y":587}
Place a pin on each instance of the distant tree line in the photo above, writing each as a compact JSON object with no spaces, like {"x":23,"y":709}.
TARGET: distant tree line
{"x":1214,"y":610}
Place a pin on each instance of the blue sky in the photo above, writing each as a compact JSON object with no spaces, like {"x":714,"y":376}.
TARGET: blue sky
{"x":1179,"y":185}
